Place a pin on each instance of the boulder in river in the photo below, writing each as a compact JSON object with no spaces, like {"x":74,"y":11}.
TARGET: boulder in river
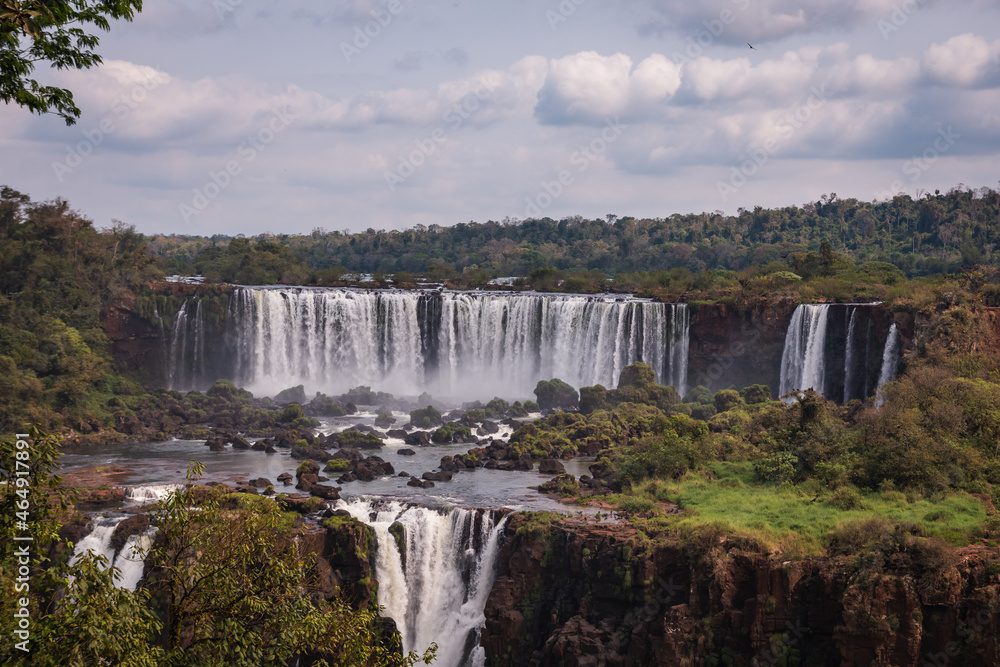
{"x":239,"y":443}
{"x":313,"y":453}
{"x":356,"y":439}
{"x":325,"y":492}
{"x":550,"y":467}
{"x":419,"y":438}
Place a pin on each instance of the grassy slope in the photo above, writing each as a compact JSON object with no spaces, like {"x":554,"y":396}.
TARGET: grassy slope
{"x":797,"y":519}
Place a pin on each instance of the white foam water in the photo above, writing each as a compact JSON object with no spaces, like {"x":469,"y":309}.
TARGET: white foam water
{"x":440,"y":594}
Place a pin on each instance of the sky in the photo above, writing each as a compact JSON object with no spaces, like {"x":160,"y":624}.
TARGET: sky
{"x":252,"y":116}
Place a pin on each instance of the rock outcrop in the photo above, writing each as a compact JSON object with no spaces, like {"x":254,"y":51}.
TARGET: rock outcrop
{"x":575,"y":593}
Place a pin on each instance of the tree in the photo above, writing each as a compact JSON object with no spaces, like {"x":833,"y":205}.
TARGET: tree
{"x":227,"y":574}
{"x":52,"y":31}
{"x":234,"y":586}
{"x":74,"y":613}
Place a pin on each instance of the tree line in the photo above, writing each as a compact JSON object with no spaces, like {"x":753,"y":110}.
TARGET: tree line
{"x":934,"y":233}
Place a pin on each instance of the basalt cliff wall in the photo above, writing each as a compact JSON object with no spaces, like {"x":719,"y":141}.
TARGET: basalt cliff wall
{"x":576,"y":593}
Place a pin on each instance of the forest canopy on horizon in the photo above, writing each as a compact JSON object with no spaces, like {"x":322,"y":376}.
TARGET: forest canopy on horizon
{"x":937,"y":233}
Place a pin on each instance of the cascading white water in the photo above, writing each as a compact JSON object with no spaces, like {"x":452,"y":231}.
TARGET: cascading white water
{"x":149,"y":493}
{"x":849,"y":356}
{"x":186,"y":362}
{"x":680,"y":343}
{"x":198,"y":358}
{"x":98,"y":540}
{"x":129,"y":560}
{"x":890,"y":363}
{"x":178,"y":348}
{"x":440,"y":594}
{"x":802,"y":364}
{"x":457,"y":343}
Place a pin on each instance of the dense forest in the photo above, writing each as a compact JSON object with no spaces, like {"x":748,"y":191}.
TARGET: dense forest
{"x":57,"y":274}
{"x":935,"y":233}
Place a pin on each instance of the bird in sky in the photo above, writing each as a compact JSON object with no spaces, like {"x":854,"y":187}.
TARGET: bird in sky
{"x":751,"y":46}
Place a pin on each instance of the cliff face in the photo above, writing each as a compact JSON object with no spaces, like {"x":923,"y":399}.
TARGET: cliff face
{"x":139,"y":329}
{"x":738,"y":347}
{"x":735,"y":348}
{"x":730,"y":347}
{"x":585,"y":594}
{"x":137,"y":344}
{"x":344,"y":562}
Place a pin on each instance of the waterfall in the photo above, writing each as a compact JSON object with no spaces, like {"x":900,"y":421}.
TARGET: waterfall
{"x":98,"y":540}
{"x":440,"y":594}
{"x":149,"y":493}
{"x":802,"y":364}
{"x":890,"y":363}
{"x":680,"y":337}
{"x":178,"y":348}
{"x":129,"y":560}
{"x":455,"y":343}
{"x":198,"y":358}
{"x":849,"y":356}
{"x":186,"y":363}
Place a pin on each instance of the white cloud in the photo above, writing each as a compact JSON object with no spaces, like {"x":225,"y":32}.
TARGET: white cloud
{"x":867,"y":75}
{"x":966,"y":60}
{"x":512,"y":121}
{"x":708,"y":80}
{"x":588,"y":87}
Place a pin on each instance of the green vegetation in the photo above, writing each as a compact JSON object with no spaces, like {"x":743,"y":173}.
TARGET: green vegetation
{"x":352,"y":438}
{"x":554,"y":394}
{"x":57,"y":275}
{"x":57,"y":33}
{"x":425,"y":417}
{"x":449,"y":432}
{"x":799,"y":519}
{"x":228,"y":585}
{"x":793,"y":478}
{"x":832,"y":245}
{"x":337,"y":465}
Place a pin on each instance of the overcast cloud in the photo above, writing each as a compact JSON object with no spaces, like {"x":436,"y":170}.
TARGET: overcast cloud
{"x":249,"y":116}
